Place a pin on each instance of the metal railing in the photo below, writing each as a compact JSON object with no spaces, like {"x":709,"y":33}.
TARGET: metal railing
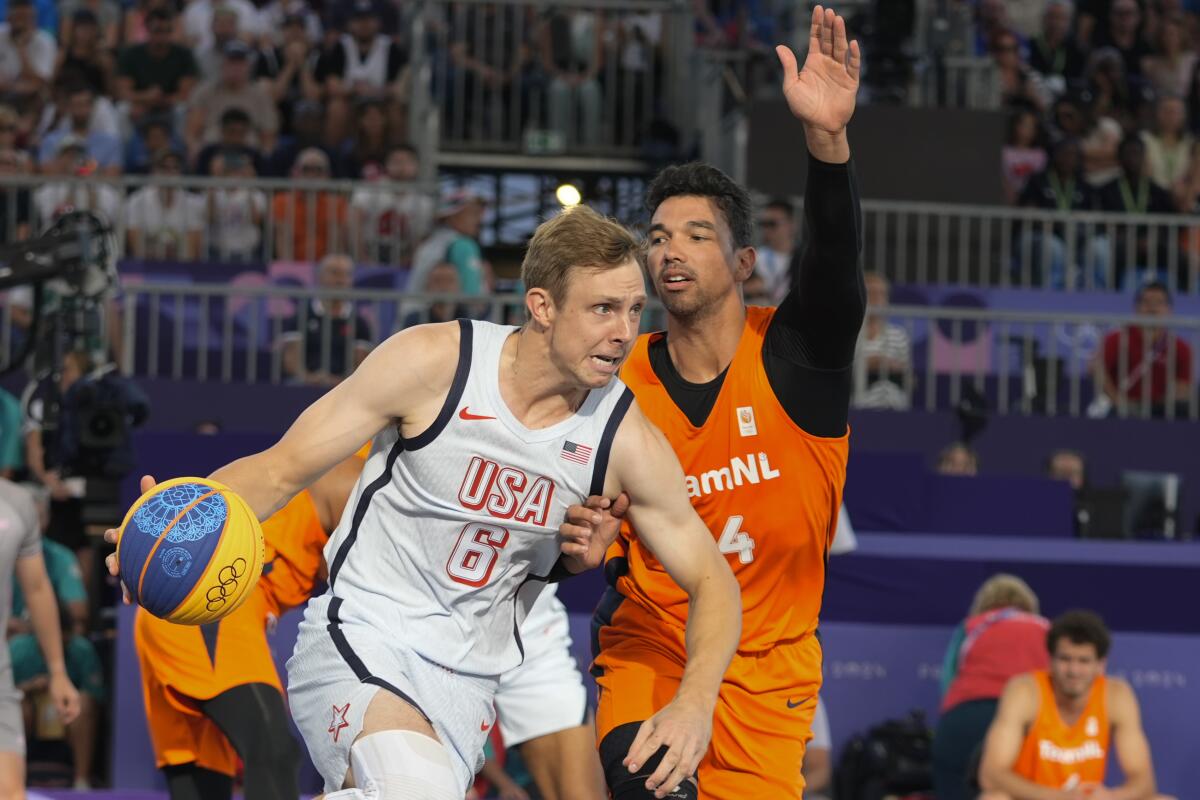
{"x":909,"y":357}
{"x":167,"y":218}
{"x":214,"y":220}
{"x":517,"y":77}
{"x":957,"y":82}
{"x":1024,"y":363}
{"x":999,"y":246}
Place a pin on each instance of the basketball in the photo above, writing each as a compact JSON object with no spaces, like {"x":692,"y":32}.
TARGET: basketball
{"x":190,"y":551}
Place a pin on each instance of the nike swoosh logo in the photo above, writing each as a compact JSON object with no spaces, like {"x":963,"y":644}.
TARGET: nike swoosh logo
{"x":467,"y":415}
{"x":801,"y":702}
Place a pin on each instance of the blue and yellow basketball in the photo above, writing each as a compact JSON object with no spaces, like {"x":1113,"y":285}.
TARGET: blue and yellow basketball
{"x":190,"y":551}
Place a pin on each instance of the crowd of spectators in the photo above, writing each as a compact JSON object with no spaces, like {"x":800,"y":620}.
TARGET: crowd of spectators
{"x":1104,"y":103}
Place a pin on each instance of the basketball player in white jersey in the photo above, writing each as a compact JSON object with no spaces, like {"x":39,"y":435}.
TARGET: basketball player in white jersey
{"x":483,"y":436}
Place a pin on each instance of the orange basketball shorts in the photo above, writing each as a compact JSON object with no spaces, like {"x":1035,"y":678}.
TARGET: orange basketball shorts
{"x":184,"y":665}
{"x":763,"y":715}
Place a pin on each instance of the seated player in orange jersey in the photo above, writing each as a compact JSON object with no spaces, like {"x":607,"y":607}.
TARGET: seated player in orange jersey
{"x":1053,"y":730}
{"x":212,"y":693}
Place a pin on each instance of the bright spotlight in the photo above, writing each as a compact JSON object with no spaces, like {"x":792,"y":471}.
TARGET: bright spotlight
{"x":568,"y":195}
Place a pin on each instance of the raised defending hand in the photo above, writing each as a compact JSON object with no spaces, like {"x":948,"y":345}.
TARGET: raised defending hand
{"x":588,"y":530}
{"x":822,"y":96}
{"x":147,"y":483}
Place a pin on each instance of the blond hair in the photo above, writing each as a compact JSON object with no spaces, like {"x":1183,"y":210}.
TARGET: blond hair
{"x":578,"y":238}
{"x":1004,"y":591}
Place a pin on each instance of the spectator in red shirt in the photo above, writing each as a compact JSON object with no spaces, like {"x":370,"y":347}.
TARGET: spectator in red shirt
{"x":1003,"y":636}
{"x":1144,"y":369}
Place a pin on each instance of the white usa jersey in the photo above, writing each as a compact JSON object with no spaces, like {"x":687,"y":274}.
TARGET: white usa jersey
{"x":449,"y":536}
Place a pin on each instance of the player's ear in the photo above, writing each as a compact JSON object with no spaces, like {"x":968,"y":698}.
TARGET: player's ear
{"x":744,"y":266}
{"x":540,"y":307}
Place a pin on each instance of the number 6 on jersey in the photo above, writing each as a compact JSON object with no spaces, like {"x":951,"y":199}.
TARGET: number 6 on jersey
{"x":737,"y":541}
{"x":475,"y":553}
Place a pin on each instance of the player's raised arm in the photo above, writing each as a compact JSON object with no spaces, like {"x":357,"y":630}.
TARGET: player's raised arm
{"x":644,"y":467}
{"x":404,"y":379}
{"x":1016,"y":712}
{"x":1133,"y":751}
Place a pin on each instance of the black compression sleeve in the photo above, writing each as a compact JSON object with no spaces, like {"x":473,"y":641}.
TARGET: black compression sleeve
{"x":809,"y":346}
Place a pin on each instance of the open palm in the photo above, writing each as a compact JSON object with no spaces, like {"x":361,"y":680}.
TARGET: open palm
{"x":823,"y":94}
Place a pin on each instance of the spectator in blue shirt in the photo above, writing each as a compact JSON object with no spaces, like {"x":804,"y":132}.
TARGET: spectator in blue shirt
{"x":103,"y":148}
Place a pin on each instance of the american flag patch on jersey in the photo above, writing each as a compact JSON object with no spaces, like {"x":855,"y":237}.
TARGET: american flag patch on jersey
{"x":579,"y":453}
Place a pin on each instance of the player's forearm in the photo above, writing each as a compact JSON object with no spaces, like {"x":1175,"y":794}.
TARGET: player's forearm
{"x":259,"y":483}
{"x":713,"y":630}
{"x":1136,"y":787}
{"x":43,"y":618}
{"x":1017,"y":788}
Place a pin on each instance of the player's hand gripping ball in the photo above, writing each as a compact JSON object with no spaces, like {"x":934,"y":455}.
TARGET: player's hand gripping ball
{"x":190,"y":551}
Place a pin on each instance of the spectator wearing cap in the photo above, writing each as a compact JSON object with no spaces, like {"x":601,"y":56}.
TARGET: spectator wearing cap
{"x":1041,"y":252}
{"x":27,"y":55}
{"x":390,"y":216}
{"x":235,"y":213}
{"x":105,"y":15}
{"x":198,"y":20}
{"x":211,"y":55}
{"x":456,"y":240}
{"x":235,"y":137}
{"x":288,"y":72}
{"x":135,"y":29}
{"x":309,"y":222}
{"x":103,"y":148}
{"x":56,"y":197}
{"x":165,"y":222}
{"x":308,"y":132}
{"x":84,"y":56}
{"x":157,"y":76}
{"x":280,"y":13}
{"x":363,"y":63}
{"x":233,"y":89}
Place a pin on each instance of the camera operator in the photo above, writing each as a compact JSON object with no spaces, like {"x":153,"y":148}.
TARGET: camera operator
{"x":77,"y":444}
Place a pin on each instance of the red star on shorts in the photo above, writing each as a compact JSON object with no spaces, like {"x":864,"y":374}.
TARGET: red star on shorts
{"x":338,"y":721}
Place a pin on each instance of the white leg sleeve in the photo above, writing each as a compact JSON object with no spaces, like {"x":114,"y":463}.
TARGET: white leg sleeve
{"x":402,"y":765}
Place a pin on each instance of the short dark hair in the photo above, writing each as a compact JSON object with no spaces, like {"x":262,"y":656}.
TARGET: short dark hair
{"x":781,"y":204}
{"x":235,"y":114}
{"x":702,"y":180}
{"x":1080,"y":627}
{"x":1131,"y":140}
{"x":159,"y":14}
{"x":1152,"y":286}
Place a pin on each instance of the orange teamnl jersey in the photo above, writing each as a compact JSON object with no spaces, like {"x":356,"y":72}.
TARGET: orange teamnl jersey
{"x":295,"y":541}
{"x":768,"y":491}
{"x":1062,"y":756}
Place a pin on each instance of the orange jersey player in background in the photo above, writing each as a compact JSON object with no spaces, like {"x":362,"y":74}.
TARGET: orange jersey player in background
{"x":212,"y":693}
{"x":1054,"y":729}
{"x":754,"y":401}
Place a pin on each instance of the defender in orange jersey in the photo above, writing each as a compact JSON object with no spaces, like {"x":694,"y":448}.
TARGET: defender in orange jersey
{"x":754,"y":402}
{"x":1053,"y":730}
{"x":212,"y":694}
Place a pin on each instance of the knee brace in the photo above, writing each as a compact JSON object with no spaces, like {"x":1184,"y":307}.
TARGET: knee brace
{"x":402,"y":765}
{"x":626,"y":785}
